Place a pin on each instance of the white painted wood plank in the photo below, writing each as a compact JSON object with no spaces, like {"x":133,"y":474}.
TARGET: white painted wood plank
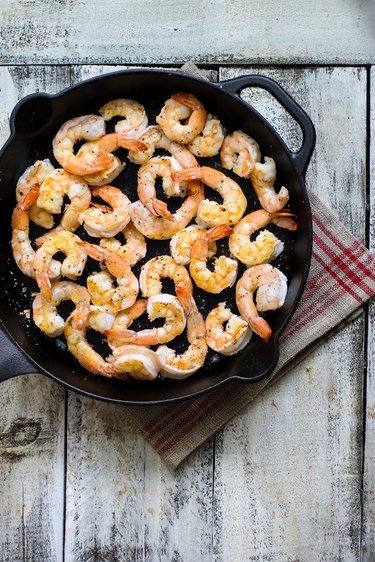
{"x":31,"y":409}
{"x":368,"y":537}
{"x":122,"y":502}
{"x":288,"y":469}
{"x":226,"y":32}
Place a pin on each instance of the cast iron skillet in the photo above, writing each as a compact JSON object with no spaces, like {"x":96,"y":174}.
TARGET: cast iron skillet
{"x":34,"y":122}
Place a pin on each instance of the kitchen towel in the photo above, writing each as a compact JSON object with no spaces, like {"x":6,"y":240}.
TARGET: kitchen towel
{"x":341,"y":279}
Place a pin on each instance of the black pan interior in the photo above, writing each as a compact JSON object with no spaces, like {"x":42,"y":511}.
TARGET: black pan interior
{"x":36,"y":121}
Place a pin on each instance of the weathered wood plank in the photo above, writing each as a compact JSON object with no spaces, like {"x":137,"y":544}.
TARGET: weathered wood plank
{"x":31,"y":409}
{"x":368,"y":535}
{"x":227,"y":32}
{"x":122,"y":502}
{"x":297,"y":450}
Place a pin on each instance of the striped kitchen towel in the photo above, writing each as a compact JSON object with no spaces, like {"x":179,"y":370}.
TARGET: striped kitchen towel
{"x":341,"y":279}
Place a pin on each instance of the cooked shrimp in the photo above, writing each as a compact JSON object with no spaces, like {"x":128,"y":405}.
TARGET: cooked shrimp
{"x":182,"y":117}
{"x":135,"y":361}
{"x":151,"y":137}
{"x":101,"y":286}
{"x":87,"y":127}
{"x":182,"y":242}
{"x":78,"y":345}
{"x":233,"y":338}
{"x":263,"y":178}
{"x":159,"y":306}
{"x":72,"y":266}
{"x":51,"y":197}
{"x":209,"y":212}
{"x":133,"y":250}
{"x":92,"y":150}
{"x":271,"y":286}
{"x":266,"y":246}
{"x":159,"y":166}
{"x":159,"y":228}
{"x":154,"y":138}
{"x":239,"y":153}
{"x":181,"y":366}
{"x":209,"y":141}
{"x":159,"y":268}
{"x":45,"y":314}
{"x":34,"y":176}
{"x":98,"y":222}
{"x":225,"y":269}
{"x":23,"y":252}
{"x":135,"y":121}
{"x":124,"y":319}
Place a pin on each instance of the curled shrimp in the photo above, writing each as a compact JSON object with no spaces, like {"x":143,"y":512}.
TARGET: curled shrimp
{"x":87,"y":127}
{"x":151,"y":137}
{"x":105,"y":222}
{"x":182,"y":117}
{"x":263,"y":178}
{"x":159,"y":268}
{"x":266,"y":246}
{"x":135,"y":246}
{"x":135,"y":118}
{"x":159,"y":228}
{"x":239,"y":153}
{"x":45,"y":314}
{"x":107,"y":144}
{"x":78,"y":345}
{"x":209,"y":212}
{"x":135,"y":361}
{"x":159,"y":166}
{"x":23,"y":252}
{"x":32,"y":177}
{"x":182,"y":366}
{"x":154,"y":138}
{"x":72,"y":266}
{"x":225,"y":269}
{"x":181,"y":244}
{"x":231,"y":339}
{"x":159,"y":306}
{"x":101,"y":286}
{"x":51,"y":197}
{"x":271,"y":286}
{"x":209,"y":141}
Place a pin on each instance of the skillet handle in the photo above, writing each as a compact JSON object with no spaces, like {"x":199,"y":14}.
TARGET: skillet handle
{"x":302,"y":157}
{"x":13,"y":361}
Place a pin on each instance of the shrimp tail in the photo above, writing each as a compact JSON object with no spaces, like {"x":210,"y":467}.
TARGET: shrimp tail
{"x":95,"y":252}
{"x":284,"y":219}
{"x":260,"y":327}
{"x":160,"y":208}
{"x":103,"y":208}
{"x":44,"y":285}
{"x":81,"y":313}
{"x":29,"y":198}
{"x":218,"y":232}
{"x":132,"y":144}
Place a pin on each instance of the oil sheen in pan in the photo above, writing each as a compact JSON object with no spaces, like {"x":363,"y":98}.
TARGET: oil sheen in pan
{"x":19,"y":289}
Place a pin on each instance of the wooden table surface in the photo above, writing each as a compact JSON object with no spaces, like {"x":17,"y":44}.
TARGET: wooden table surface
{"x":292,"y":477}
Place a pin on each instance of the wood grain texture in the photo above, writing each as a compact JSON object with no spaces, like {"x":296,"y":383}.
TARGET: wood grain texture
{"x":223,"y":32}
{"x":297,"y":449}
{"x":32,"y":409}
{"x":123,"y":503}
{"x":368,"y":532}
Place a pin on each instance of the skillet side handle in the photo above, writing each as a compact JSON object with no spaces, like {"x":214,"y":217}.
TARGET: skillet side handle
{"x":302,"y":157}
{"x":12,"y":361}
